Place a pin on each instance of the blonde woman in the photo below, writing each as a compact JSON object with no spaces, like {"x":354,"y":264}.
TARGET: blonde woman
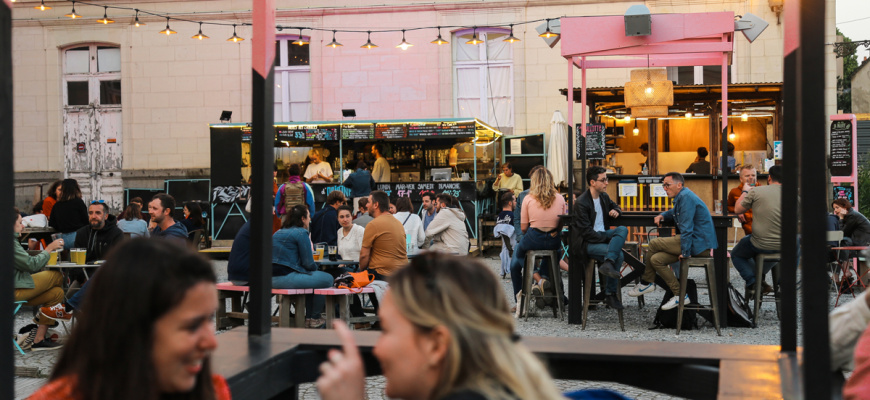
{"x":539,"y":221}
{"x":447,"y":335}
{"x":319,"y":171}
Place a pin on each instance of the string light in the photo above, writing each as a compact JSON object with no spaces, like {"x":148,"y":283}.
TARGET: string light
{"x":439,"y":41}
{"x":301,"y":41}
{"x":688,"y":115}
{"x":474,"y":40}
{"x":548,"y":33}
{"x":136,"y":23}
{"x":635,"y":131}
{"x":199,"y":35}
{"x":744,"y":117}
{"x":333,"y":43}
{"x":168,"y":31}
{"x":235,"y":38}
{"x":105,"y":20}
{"x":627,"y":118}
{"x":404,"y":45}
{"x":72,"y":14}
{"x":732,"y":136}
{"x":42,"y":6}
{"x":511,"y":39}
{"x":369,"y":45}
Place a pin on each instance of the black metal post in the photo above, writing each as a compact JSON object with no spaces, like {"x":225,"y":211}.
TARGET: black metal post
{"x":575,"y":273}
{"x":791,"y":164}
{"x":811,"y":131}
{"x":262,"y":164}
{"x":7,"y":201}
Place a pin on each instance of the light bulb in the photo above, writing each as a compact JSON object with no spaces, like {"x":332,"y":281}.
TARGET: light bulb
{"x":635,"y":131}
{"x":744,"y":117}
{"x":627,"y":118}
{"x":732,"y":136}
{"x":688,"y":115}
{"x":648,"y":90}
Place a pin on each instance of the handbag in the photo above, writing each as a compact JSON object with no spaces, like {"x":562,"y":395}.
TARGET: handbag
{"x":353,"y":280}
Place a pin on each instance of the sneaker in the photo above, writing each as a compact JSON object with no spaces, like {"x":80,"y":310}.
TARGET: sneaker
{"x":674,"y":302}
{"x":613,"y":302}
{"x":315,"y":323}
{"x":640,"y":289}
{"x":547,"y":287}
{"x":45,"y":345}
{"x":516,"y":309}
{"x":606,"y":269}
{"x":27,"y":340}
{"x":765,"y":288}
{"x":56,"y":312}
{"x":538,"y":295}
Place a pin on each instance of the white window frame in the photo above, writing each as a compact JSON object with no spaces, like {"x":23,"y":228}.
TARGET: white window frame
{"x":93,"y":77}
{"x":483,"y":66}
{"x":282,"y":80}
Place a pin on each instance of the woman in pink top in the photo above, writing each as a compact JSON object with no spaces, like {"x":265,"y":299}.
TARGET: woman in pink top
{"x":539,"y":221}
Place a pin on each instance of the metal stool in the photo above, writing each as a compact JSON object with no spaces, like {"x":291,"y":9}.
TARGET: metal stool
{"x":709,"y":267}
{"x":555,"y":277}
{"x":634,"y":249}
{"x":759,"y":279}
{"x":587,"y":293}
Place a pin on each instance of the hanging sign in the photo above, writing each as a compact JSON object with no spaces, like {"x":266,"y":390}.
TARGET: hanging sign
{"x":841,"y":148}
{"x":593,"y":143}
{"x":844,"y":192}
{"x":80,"y":147}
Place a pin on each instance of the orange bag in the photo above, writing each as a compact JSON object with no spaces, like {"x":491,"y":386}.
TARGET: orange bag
{"x":361,"y":279}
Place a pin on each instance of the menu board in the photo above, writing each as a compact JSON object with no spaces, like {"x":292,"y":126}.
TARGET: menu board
{"x":844,"y":192}
{"x":465,"y":191}
{"x":423,"y":129}
{"x":357,"y":131}
{"x":593,"y":144}
{"x":391,"y":131}
{"x":321,"y":133}
{"x":841,"y":148}
{"x":289,"y":133}
{"x":457,"y":128}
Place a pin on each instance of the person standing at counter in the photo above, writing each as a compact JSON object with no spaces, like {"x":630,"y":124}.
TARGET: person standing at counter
{"x":644,"y":151}
{"x":701,"y":165}
{"x":696,"y":239}
{"x":748,"y":177}
{"x":508,"y":180}
{"x":381,"y":169}
{"x":318,"y":171}
{"x":429,"y":211}
{"x":360,"y":183}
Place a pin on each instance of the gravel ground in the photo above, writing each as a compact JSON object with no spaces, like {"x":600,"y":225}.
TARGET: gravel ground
{"x":603,"y":323}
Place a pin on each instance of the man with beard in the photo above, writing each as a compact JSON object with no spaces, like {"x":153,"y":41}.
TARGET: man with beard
{"x":101,"y":233}
{"x":163,"y":225}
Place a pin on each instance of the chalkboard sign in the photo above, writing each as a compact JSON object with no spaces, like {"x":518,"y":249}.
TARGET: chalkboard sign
{"x":357,"y":131}
{"x":292,"y":132}
{"x":593,"y":143}
{"x":845,"y":192}
{"x":423,"y":129}
{"x":841,"y":148}
{"x":457,"y":128}
{"x":322,"y":133}
{"x":391,"y":131}
{"x":465,"y":191}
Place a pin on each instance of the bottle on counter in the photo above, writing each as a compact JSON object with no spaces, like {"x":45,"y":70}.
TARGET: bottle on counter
{"x":644,"y":171}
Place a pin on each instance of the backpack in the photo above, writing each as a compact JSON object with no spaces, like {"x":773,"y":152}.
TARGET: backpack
{"x":294,"y":194}
{"x":667,"y":319}
{"x":738,"y":314}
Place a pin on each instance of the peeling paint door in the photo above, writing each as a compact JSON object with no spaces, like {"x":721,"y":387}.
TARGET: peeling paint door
{"x":92,"y":122}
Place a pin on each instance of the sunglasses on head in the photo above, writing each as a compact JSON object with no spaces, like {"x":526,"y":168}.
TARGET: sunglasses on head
{"x":98,"y":202}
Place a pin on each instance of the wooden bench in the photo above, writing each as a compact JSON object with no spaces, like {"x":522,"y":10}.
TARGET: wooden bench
{"x":237,"y":316}
{"x":343,"y":296}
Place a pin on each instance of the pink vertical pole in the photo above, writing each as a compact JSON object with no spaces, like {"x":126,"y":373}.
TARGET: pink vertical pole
{"x":583,"y":94}
{"x":571,"y":93}
{"x":724,"y":88}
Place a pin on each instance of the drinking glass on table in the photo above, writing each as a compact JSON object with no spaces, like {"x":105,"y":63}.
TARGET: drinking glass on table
{"x":318,"y":252}
{"x":332,"y":251}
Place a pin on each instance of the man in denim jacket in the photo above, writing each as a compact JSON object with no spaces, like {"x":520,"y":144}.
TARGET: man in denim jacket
{"x":696,"y":238}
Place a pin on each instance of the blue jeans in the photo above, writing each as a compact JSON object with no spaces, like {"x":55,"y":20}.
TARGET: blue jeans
{"x":743,"y":258}
{"x":532,"y":240}
{"x":612,"y":250}
{"x":76,"y":300}
{"x":68,"y":239}
{"x":315,"y":280}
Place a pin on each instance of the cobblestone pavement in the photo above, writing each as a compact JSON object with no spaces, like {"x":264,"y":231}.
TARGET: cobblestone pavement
{"x":603,"y":323}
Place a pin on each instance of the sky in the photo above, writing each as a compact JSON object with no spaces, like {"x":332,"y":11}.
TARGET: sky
{"x":853,"y":19}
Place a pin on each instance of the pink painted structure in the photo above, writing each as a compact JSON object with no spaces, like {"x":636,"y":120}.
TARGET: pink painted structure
{"x":677,"y":40}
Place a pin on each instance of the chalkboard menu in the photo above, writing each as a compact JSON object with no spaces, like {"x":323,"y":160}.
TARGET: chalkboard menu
{"x":844,"y":192}
{"x":423,"y":129}
{"x":457,"y":128}
{"x":465,"y":191}
{"x":391,"y":131}
{"x":322,"y":133}
{"x":357,"y":131}
{"x":593,"y":143}
{"x":841,"y":148}
{"x":290,"y":133}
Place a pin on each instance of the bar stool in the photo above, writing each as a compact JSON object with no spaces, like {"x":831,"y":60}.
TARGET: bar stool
{"x":633,"y":248}
{"x":555,"y":278}
{"x":587,"y":292}
{"x":709,"y":267}
{"x":759,"y":279}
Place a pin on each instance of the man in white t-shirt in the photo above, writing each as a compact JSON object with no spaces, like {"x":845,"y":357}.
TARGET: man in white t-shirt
{"x":318,"y":171}
{"x":381,"y":169}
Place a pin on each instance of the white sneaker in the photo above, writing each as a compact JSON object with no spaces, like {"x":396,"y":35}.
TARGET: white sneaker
{"x":641,"y":289}
{"x":519,"y":304}
{"x":674,"y":302}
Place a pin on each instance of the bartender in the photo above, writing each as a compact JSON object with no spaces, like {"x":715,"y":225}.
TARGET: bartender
{"x":318,"y":171}
{"x":701,"y":165}
{"x":508,"y":180}
{"x":644,"y":151}
{"x":381,"y":169}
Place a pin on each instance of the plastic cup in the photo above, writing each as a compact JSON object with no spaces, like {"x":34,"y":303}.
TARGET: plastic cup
{"x":79,"y":256}
{"x":52,"y":257}
{"x":316,"y":255}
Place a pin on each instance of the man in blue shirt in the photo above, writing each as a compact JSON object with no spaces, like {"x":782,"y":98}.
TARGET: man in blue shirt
{"x":163,"y":225}
{"x":696,"y":238}
{"x":324,"y":224}
{"x":429,"y":211}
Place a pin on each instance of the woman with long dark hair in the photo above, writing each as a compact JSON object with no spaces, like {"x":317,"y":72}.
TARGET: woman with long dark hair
{"x":70,"y":213}
{"x":293,"y":265}
{"x":447,"y":336}
{"x":192,"y":217}
{"x":131,"y":221}
{"x":49,"y":201}
{"x":145,"y":330}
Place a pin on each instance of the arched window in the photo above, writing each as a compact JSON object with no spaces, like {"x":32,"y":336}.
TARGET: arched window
{"x":483,"y":77}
